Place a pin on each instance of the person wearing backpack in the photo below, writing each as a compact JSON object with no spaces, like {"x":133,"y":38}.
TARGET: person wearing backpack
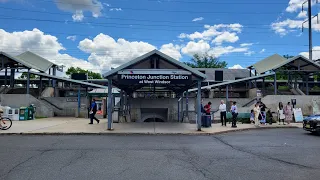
{"x":93,"y":112}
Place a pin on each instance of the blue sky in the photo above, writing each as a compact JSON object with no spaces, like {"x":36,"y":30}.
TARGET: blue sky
{"x":85,"y":33}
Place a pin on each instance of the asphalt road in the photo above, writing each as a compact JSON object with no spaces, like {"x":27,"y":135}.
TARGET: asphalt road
{"x":258,"y":155}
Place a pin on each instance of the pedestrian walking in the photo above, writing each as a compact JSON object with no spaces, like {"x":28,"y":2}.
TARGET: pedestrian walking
{"x":234,"y":111}
{"x":288,"y":113}
{"x":223,"y":113}
{"x":281,"y":115}
{"x":256,"y":111}
{"x":93,"y":112}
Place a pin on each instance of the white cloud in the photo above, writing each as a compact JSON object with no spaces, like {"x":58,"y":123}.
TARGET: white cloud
{"x":302,"y":15}
{"x":246,"y":44}
{"x":115,"y":9}
{"x":79,"y":6}
{"x":107,"y":52}
{"x":198,"y":19}
{"x":212,"y":31}
{"x":78,"y":16}
{"x":72,"y":38}
{"x":171,"y":50}
{"x":296,"y":5}
{"x":236,"y":66}
{"x":315,"y":53}
{"x":249,"y":53}
{"x":196,"y":47}
{"x":223,"y":50}
{"x":226,"y":37}
{"x":289,"y":25}
{"x":262,"y":51}
{"x":42,"y":44}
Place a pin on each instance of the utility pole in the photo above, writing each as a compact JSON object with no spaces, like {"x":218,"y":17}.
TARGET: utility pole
{"x":310,"y":30}
{"x":310,"y":17}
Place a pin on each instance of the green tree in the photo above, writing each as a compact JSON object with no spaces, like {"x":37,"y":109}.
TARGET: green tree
{"x":24,"y":75}
{"x":91,"y":75}
{"x":206,"y":61}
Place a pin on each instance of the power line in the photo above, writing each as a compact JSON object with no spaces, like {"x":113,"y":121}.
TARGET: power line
{"x":105,"y":24}
{"x":110,"y":18}
{"x":177,"y":1}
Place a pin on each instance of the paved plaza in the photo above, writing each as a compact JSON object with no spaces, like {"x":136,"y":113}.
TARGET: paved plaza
{"x":81,"y":126}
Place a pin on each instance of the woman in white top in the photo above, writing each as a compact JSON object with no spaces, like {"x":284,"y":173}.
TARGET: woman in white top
{"x":256,"y":111}
{"x":281,"y":115}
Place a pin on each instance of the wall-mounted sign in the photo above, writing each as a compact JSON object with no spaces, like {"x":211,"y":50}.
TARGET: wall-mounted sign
{"x":158,"y":79}
{"x":72,"y":99}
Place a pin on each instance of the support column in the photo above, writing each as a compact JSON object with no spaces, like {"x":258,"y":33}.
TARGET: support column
{"x":178,"y":110}
{"x":227,"y":94}
{"x":255,"y":81}
{"x":187,"y":105}
{"x":12,"y":73}
{"x":263,"y":86}
{"x":79,"y":100}
{"x":109,"y":104}
{"x":199,"y":106}
{"x":40,"y":87}
{"x":182,"y":112}
{"x":275,"y":84}
{"x":28,"y":82}
{"x":5,"y":78}
{"x":307,"y":84}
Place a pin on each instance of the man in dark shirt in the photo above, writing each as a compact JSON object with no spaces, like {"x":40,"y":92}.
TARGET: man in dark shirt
{"x":93,"y":111}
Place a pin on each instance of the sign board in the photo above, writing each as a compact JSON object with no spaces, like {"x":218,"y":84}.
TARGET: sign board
{"x":158,"y":79}
{"x":298,"y":114}
{"x":259,"y":94}
{"x":79,"y":76}
{"x":72,"y":99}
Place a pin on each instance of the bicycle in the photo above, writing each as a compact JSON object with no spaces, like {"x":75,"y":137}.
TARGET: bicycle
{"x":5,"y":123}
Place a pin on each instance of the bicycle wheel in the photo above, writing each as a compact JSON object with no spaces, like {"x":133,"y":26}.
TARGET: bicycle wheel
{"x":6,"y":123}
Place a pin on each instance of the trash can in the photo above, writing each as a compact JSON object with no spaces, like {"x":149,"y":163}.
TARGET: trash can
{"x":31,"y":111}
{"x":206,"y":120}
{"x":23,"y":113}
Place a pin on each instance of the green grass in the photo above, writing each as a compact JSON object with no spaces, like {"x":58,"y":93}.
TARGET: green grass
{"x":40,"y":117}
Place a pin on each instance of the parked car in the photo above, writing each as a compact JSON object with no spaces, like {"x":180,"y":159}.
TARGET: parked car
{"x":312,"y":123}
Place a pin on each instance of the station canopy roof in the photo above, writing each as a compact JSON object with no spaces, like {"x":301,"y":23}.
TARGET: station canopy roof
{"x":300,"y":63}
{"x":268,"y":63}
{"x":26,"y":60}
{"x":35,"y":61}
{"x":155,"y":63}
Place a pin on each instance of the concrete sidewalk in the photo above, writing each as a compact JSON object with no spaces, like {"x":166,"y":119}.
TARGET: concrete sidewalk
{"x":80,"y":126}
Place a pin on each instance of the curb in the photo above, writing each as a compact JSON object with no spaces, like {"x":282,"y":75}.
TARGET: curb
{"x":195,"y":133}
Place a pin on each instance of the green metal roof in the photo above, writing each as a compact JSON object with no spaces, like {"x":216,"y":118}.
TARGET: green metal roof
{"x":233,"y":82}
{"x":68,"y":80}
{"x":164,"y":56}
{"x":16,"y":59}
{"x":268,"y":63}
{"x":308,"y":64}
{"x":35,"y":61}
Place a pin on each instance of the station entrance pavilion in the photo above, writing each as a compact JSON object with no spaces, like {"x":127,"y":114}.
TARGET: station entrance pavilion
{"x":152,"y":73}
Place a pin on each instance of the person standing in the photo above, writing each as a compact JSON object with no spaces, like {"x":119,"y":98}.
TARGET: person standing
{"x":234,"y":111}
{"x":281,"y":115}
{"x":256,"y":111}
{"x":223,"y":113}
{"x":93,"y":112}
{"x":262,"y":111}
{"x":207,"y":120}
{"x":288,"y":113}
